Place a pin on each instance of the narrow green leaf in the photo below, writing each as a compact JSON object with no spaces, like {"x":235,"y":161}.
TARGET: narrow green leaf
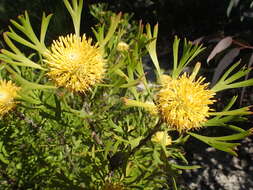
{"x":17,"y":25}
{"x":185,"y":167}
{"x":113,"y":26}
{"x":18,"y":59}
{"x":68,"y":6}
{"x":175,"y":55}
{"x":240,"y":111}
{"x":3,"y":159}
{"x":225,"y":148}
{"x":130,"y":84}
{"x":135,"y":141}
{"x":93,"y":152}
{"x":245,"y":83}
{"x":237,"y":136}
{"x":220,"y":145}
{"x":151,"y":47}
{"x":115,"y":127}
{"x":225,"y":75}
{"x":235,"y":128}
{"x":237,"y":76}
{"x":174,"y":183}
{"x":231,"y":103}
{"x":44,"y":26}
{"x":121,"y":74}
{"x":10,"y":44}
{"x":120,"y":139}
{"x":21,"y":40}
{"x":156,"y":157}
{"x":115,"y":146}
{"x":29,"y":30}
{"x":108,"y":147}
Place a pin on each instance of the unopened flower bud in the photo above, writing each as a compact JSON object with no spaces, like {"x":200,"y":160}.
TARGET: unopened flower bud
{"x":162,"y":137}
{"x":122,"y":46}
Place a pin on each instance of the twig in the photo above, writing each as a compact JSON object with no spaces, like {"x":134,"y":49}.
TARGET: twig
{"x":244,"y":46}
{"x":95,"y":136}
{"x":144,"y":141}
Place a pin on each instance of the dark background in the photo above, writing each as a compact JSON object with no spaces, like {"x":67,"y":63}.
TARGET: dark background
{"x":186,"y":18}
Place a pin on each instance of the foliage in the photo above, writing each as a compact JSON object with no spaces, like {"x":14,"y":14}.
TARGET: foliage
{"x":56,"y":138}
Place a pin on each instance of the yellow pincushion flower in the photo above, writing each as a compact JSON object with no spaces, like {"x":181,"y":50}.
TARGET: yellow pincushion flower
{"x":75,"y":63}
{"x":8,"y":92}
{"x":184,"y":103}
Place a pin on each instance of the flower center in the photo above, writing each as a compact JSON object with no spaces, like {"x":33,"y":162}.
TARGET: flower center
{"x":4,"y":96}
{"x":72,"y":56}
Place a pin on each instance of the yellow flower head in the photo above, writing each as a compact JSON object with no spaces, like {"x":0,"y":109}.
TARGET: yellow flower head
{"x":162,"y":137}
{"x":8,"y":92}
{"x":184,"y":103}
{"x":75,"y":63}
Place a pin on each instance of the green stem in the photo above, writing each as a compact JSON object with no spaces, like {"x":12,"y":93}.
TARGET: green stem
{"x":144,"y":141}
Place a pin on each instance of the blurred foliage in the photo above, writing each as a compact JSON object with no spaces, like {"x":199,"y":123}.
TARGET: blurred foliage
{"x":242,"y":8}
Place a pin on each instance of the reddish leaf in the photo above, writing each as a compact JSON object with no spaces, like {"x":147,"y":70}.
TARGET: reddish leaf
{"x":222,"y":45}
